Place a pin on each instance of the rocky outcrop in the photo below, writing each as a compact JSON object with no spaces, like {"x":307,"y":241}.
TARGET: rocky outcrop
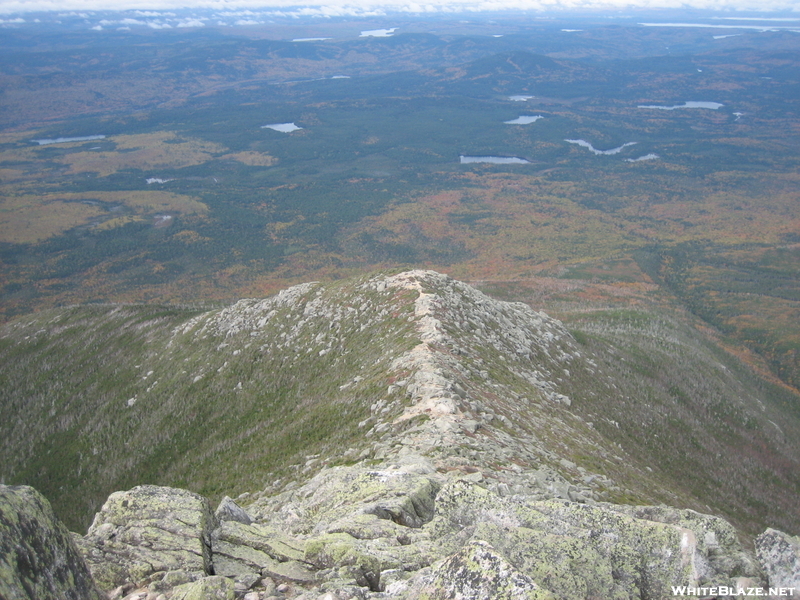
{"x":400,"y":529}
{"x":404,"y":529}
{"x":38,"y":557}
{"x":570,"y":549}
{"x":144,"y":534}
{"x":780,"y":555}
{"x":445,"y":371}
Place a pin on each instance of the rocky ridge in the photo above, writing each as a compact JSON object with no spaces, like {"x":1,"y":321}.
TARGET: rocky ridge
{"x":478,"y":385}
{"x":473,"y":469}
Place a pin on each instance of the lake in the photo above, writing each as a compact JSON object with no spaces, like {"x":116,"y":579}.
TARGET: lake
{"x":525,"y":120}
{"x":594,"y":150}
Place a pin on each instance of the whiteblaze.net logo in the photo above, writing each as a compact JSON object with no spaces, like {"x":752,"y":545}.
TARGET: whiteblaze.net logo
{"x":731,"y":592}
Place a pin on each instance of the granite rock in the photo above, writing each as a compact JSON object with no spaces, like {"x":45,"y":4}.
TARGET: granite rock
{"x":38,"y":557}
{"x":779,"y":553}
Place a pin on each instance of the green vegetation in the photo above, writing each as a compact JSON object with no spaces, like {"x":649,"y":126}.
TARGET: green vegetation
{"x":125,"y":399}
{"x":751,"y":293}
{"x":679,"y":404}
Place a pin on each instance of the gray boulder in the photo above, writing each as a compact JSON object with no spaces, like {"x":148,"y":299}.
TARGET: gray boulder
{"x":228,"y":510}
{"x":38,"y":557}
{"x":779,"y":554}
{"x":141,"y":534}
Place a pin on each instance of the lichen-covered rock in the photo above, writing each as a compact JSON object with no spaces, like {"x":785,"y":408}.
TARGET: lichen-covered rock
{"x":172,"y":579}
{"x":350,"y":519}
{"x":476,"y":572}
{"x":343,"y":550}
{"x":149,"y":529}
{"x":260,"y":537}
{"x":38,"y":557}
{"x":239,"y":549}
{"x":779,"y":554}
{"x":403,"y":493}
{"x":207,"y":588}
{"x":716,"y":548}
{"x":293,"y":571}
{"x":357,"y":523}
{"x":403,"y":530}
{"x":583,"y":551}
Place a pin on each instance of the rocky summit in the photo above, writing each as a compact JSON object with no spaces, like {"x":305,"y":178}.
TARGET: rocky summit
{"x":401,"y":435}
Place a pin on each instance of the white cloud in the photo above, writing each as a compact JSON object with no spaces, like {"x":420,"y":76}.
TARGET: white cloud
{"x":157,"y":8}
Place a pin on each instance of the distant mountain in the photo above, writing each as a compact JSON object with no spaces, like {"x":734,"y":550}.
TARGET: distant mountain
{"x":627,"y":406}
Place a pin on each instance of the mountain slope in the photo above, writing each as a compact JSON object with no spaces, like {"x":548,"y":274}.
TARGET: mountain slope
{"x":633,"y":407}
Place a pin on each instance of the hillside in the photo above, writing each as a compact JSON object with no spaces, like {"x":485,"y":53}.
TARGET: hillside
{"x":628,"y":406}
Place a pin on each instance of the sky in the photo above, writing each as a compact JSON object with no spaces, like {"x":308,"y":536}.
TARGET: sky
{"x":332,"y":8}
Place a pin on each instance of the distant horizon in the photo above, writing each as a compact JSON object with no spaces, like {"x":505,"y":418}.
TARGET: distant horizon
{"x":385,"y":8}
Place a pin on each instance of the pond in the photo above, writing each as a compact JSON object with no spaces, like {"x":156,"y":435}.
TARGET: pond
{"x":378,"y":32}
{"x":524,"y":120}
{"x":64,"y":140}
{"x":282,"y":127}
{"x":689,"y":104}
{"x":495,"y":160}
